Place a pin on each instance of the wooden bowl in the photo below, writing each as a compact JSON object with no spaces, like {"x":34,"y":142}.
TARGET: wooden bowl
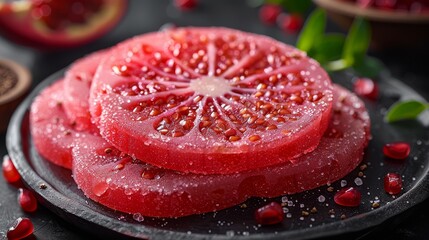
{"x":390,"y":29}
{"x":12,"y":94}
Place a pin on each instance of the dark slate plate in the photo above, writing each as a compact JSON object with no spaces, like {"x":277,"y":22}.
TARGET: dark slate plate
{"x":62,"y":196}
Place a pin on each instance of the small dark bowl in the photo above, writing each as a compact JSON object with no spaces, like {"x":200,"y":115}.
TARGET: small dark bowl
{"x":390,"y":29}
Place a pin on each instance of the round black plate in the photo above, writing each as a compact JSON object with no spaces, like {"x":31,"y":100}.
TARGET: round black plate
{"x":62,"y":196}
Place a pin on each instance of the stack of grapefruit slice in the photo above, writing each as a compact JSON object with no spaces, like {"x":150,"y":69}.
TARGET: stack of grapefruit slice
{"x":194,"y":120}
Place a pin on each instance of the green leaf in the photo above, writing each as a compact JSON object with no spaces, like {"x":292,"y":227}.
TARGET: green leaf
{"x":292,"y":6}
{"x":370,"y":67}
{"x":329,"y":47}
{"x":313,"y":30}
{"x":357,"y":42}
{"x":336,"y":65}
{"x":404,"y":110}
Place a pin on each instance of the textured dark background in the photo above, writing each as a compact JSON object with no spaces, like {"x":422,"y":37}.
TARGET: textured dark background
{"x":145,"y":16}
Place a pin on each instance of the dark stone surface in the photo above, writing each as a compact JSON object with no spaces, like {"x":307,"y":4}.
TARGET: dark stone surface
{"x":145,"y":16}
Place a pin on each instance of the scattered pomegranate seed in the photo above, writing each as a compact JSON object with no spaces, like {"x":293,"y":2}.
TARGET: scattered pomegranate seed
{"x":269,"y":214}
{"x":268,"y":13}
{"x":397,"y":150}
{"x":348,"y":197}
{"x":291,"y":23}
{"x":366,"y":87}
{"x":9,"y":171}
{"x":21,"y":228}
{"x":186,"y":5}
{"x":26,"y":200}
{"x":393,"y":183}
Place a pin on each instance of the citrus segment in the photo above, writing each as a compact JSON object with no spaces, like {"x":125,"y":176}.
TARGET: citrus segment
{"x":121,"y":182}
{"x":211,"y":100}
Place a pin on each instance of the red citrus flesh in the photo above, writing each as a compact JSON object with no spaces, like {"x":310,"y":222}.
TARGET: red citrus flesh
{"x":211,"y":100}
{"x":121,"y":182}
{"x":58,"y":23}
{"x":77,"y":83}
{"x":53,"y":133}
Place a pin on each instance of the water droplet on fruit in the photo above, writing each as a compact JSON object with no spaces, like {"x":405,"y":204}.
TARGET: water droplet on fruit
{"x":100,"y":188}
{"x":21,"y":228}
{"x":138,"y":217}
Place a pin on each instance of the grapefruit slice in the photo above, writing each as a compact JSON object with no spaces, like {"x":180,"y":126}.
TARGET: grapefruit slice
{"x":77,"y":83}
{"x":211,"y":100}
{"x":120,"y":182}
{"x":53,"y":133}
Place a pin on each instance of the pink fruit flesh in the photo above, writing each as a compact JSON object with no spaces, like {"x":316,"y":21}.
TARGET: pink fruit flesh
{"x":53,"y":134}
{"x":26,"y":200}
{"x":211,"y":100}
{"x":10,"y":173}
{"x":21,"y":228}
{"x":348,"y":197}
{"x":77,"y":83}
{"x":118,"y":181}
{"x":269,"y":214}
{"x":393,"y":183}
{"x":397,"y":150}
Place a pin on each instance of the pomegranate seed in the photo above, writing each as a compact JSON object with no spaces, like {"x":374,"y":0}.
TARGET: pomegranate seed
{"x":27,"y":201}
{"x":21,"y":228}
{"x":397,"y":150}
{"x":268,"y":13}
{"x":186,"y":5}
{"x":348,"y":197}
{"x":392,"y":183}
{"x":291,"y":23}
{"x":269,"y":214}
{"x":366,"y":87}
{"x":9,"y":171}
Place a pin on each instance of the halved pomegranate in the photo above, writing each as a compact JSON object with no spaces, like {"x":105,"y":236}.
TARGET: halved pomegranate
{"x":52,"y":24}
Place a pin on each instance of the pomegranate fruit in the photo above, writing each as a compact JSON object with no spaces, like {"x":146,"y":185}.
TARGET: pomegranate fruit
{"x":52,"y":24}
{"x":211,"y":100}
